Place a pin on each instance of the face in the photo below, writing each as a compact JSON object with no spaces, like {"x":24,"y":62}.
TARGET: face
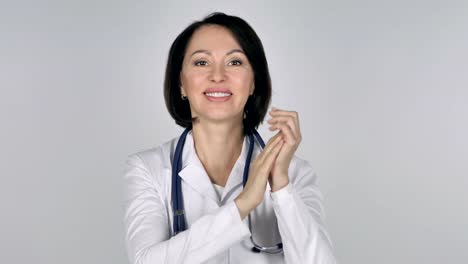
{"x":214,"y":61}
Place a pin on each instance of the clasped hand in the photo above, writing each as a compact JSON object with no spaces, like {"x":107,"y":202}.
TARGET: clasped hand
{"x":273,"y":162}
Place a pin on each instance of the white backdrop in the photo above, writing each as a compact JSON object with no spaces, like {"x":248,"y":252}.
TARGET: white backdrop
{"x":380,"y":87}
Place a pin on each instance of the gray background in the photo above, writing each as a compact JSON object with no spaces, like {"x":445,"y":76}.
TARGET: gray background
{"x":380,"y":87}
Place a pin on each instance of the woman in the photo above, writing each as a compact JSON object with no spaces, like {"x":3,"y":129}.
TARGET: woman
{"x":189,"y":200}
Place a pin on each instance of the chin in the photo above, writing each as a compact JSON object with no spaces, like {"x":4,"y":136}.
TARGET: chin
{"x":219,"y":116}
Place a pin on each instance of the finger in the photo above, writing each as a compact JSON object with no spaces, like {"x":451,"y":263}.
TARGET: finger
{"x":290,"y":138}
{"x":273,"y":141}
{"x":292,"y":114}
{"x":267,"y":164}
{"x":284,"y":119}
{"x":278,"y":112}
{"x":271,"y":156}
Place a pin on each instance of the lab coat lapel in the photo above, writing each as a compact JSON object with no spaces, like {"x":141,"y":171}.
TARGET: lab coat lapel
{"x":193,"y":173}
{"x":234,"y":181}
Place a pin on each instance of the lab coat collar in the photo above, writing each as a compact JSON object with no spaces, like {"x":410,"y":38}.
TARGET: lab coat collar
{"x":193,"y":173}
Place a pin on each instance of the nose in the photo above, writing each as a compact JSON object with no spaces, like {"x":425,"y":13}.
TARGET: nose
{"x":218,"y":74}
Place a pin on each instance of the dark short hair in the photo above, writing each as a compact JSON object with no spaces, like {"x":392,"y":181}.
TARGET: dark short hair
{"x":257,"y":104}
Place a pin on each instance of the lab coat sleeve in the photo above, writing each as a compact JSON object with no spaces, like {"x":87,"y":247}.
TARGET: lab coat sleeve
{"x":300,"y":214}
{"x":147,"y":225}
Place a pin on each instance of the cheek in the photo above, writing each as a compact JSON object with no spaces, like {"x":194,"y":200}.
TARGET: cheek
{"x":245,"y":81}
{"x":191,"y":78}
{"x":247,"y":77}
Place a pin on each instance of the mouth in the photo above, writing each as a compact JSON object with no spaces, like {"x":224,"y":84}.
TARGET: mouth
{"x":218,"y":94}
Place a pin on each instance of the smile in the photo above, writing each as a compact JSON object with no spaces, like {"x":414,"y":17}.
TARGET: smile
{"x":218,"y":96}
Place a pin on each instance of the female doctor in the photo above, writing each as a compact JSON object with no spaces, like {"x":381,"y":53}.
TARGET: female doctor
{"x":218,"y":193}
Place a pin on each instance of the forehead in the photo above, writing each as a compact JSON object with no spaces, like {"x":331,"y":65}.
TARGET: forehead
{"x":212,"y":37}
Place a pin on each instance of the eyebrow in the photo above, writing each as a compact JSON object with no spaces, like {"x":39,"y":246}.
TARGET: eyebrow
{"x":209,"y":53}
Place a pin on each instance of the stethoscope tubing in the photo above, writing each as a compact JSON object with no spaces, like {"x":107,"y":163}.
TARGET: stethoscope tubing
{"x":179,"y":223}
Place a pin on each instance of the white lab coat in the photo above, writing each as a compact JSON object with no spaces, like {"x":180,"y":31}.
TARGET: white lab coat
{"x":215,"y":232}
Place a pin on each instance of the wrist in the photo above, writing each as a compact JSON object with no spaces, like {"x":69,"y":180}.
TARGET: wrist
{"x":242,"y":206}
{"x":278,"y":183}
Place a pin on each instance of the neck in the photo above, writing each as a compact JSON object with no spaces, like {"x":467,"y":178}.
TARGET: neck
{"x":218,"y":146}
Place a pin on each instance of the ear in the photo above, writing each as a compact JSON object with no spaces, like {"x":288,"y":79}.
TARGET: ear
{"x":182,"y":91}
{"x":181,"y":86}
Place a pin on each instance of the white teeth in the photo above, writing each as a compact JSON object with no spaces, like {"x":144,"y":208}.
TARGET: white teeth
{"x":218,"y":94}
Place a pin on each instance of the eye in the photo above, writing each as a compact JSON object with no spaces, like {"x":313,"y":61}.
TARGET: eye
{"x":200,"y":63}
{"x":236,"y":62}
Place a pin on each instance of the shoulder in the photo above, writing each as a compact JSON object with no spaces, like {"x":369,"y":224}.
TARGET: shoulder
{"x":304,"y":179}
{"x":301,"y":169}
{"x":153,"y":160}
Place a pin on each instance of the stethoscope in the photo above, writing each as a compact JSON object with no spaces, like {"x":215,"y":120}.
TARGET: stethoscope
{"x":177,"y":201}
